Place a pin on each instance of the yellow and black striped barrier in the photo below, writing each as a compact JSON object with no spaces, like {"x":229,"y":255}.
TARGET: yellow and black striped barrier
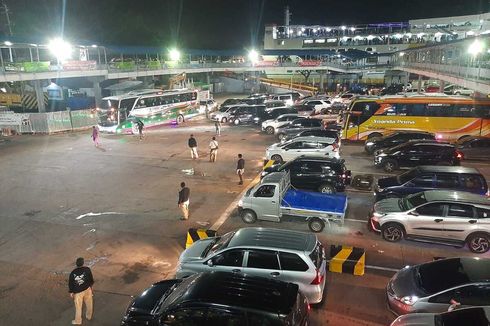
{"x":268,"y":164}
{"x":349,"y":260}
{"x":194,"y":235}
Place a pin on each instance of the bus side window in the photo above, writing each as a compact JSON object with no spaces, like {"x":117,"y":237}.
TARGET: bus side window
{"x":141,"y":104}
{"x":417,"y":110}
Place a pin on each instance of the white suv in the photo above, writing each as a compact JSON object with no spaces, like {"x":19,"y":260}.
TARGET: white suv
{"x":308,"y":146}
{"x":442,"y":216}
{"x":270,"y":126}
{"x":284,"y":255}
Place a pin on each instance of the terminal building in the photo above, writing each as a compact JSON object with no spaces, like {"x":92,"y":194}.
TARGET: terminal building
{"x":376,"y":37}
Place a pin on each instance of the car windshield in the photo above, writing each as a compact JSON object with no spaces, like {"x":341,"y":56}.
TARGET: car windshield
{"x":470,"y":316}
{"x":224,"y":109}
{"x":407,"y":176}
{"x":412,"y":201}
{"x":221,"y":243}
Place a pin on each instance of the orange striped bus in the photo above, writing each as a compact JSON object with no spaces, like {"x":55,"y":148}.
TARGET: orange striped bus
{"x":450,"y":118}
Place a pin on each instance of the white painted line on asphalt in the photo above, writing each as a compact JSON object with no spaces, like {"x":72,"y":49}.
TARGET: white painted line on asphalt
{"x":98,"y":214}
{"x":355,"y":220}
{"x":388,"y":269}
{"x":222,"y":219}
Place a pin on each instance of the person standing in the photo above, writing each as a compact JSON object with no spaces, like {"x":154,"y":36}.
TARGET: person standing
{"x":217,"y":126}
{"x":193,"y":146}
{"x":183,"y":202}
{"x":80,"y":284}
{"x":213,"y":150}
{"x":95,"y":135}
{"x":240,"y":168}
{"x":140,"y":126}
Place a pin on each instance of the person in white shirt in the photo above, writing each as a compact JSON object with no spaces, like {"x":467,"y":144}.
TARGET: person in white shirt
{"x":213,"y":150}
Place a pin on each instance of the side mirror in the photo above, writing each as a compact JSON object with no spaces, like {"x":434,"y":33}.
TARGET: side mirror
{"x":414,"y":213}
{"x":210,"y":263}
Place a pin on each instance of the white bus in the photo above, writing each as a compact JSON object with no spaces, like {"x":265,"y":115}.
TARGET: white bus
{"x":154,"y":107}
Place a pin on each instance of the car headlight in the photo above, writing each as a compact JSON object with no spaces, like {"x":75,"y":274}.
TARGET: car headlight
{"x":382,"y":154}
{"x":256,"y":119}
{"x":409,"y":300}
{"x":240,"y":203}
{"x":369,"y":143}
{"x":263,"y":174}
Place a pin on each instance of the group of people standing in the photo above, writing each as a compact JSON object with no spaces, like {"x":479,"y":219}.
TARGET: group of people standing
{"x":184,"y":192}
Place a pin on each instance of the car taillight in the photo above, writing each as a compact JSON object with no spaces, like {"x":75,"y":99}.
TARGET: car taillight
{"x":459,"y":155}
{"x":318,"y":278}
{"x":308,"y":307}
{"x":335,"y":147}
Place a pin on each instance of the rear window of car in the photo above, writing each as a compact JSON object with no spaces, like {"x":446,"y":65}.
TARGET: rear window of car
{"x":472,"y":182}
{"x":292,"y":262}
{"x":317,"y":255}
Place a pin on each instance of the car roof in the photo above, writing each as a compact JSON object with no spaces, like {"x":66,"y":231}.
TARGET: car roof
{"x":467,"y":139}
{"x":273,"y":238}
{"x":313,"y":138}
{"x":444,"y":274}
{"x":288,"y":115}
{"x":448,"y":169}
{"x":238,"y":290}
{"x":456,"y":196}
{"x":319,"y":159}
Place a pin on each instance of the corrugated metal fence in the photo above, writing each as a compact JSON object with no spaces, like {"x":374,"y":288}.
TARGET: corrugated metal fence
{"x":48,"y":122}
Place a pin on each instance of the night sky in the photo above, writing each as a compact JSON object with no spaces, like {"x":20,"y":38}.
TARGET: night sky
{"x":211,"y":24}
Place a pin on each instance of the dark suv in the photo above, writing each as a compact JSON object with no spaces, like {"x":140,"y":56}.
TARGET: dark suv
{"x":394,"y":139}
{"x":248,"y":114}
{"x":424,"y":178}
{"x":414,"y":153}
{"x":219,"y":298}
{"x":327,"y":175}
{"x":298,"y":125}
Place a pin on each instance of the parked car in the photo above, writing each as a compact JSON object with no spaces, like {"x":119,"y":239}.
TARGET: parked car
{"x":304,"y":110}
{"x":284,"y":255}
{"x":329,"y":116}
{"x":398,"y":137}
{"x":430,"y":287}
{"x":273,"y":113}
{"x":475,"y":316}
{"x":458,"y":90}
{"x":248,"y":114}
{"x":297,"y":126}
{"x":210,"y":104}
{"x":308,"y":146}
{"x":230,"y":102}
{"x":344,"y":98}
{"x":317,"y":105}
{"x":271,"y":104}
{"x":326,"y":175}
{"x":270,"y":126}
{"x":265,"y":96}
{"x":219,"y":298}
{"x":325,"y":133}
{"x":224,"y":113}
{"x":424,"y":178}
{"x":288,"y":98}
{"x":414,"y":153}
{"x":474,"y":148}
{"x":442,"y":216}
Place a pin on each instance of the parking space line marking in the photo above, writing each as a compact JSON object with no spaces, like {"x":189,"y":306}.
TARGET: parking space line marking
{"x":355,"y":220}
{"x":226,"y":214}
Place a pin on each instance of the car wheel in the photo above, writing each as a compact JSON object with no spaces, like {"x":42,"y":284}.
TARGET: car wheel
{"x":479,"y":243}
{"x":392,"y":232}
{"x":457,"y":93}
{"x":326,"y":189}
{"x":316,"y":225}
{"x":374,"y":135}
{"x":236,"y":122}
{"x":248,"y":216}
{"x":223,"y":120}
{"x":281,"y":136}
{"x":369,"y":150}
{"x":269,"y":130}
{"x":276,"y":158}
{"x":389,"y":165}
{"x":180,"y":119}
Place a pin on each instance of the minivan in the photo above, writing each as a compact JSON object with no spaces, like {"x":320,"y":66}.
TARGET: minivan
{"x":248,"y":114}
{"x":219,"y":298}
{"x":430,"y":177}
{"x":284,"y":255}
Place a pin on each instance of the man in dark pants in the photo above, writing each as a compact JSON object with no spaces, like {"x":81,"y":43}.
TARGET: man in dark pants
{"x":240,"y":168}
{"x":183,"y":202}
{"x":80,"y":284}
{"x":192,"y":142}
{"x":140,"y":125}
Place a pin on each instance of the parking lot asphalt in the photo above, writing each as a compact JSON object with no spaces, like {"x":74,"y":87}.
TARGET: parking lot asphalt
{"x":62,"y":198}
